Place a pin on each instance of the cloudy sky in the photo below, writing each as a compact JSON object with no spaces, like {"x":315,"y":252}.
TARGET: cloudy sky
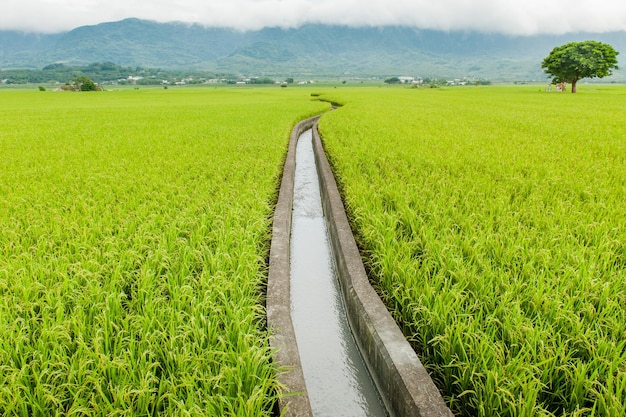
{"x":503,"y":16}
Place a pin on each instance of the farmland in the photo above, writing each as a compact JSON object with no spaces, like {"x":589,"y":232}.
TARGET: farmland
{"x":493,"y":224}
{"x":134,"y":231}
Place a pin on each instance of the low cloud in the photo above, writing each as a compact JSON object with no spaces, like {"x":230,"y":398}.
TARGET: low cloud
{"x":520,"y":18}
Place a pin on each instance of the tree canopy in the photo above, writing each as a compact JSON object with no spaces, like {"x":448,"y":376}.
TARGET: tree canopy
{"x":576,"y":60}
{"x":84,"y":83}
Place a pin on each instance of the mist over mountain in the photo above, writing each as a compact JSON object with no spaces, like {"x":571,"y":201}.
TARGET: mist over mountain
{"x":310,"y":50}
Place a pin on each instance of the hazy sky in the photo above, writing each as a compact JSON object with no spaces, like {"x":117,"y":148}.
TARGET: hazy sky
{"x":504,"y":16}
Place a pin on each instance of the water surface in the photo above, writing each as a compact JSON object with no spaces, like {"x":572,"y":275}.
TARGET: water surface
{"x":337,"y":380}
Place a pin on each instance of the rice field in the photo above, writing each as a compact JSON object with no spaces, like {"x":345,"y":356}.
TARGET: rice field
{"x":134,"y":231}
{"x":493,"y":223}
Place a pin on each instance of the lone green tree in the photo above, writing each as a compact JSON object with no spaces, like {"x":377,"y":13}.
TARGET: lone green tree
{"x":576,"y":60}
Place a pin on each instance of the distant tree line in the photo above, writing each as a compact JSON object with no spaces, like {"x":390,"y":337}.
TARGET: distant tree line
{"x":263,"y":80}
{"x":101,"y":73}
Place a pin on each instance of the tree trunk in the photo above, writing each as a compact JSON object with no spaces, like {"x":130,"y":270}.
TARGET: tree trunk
{"x":574,"y":86}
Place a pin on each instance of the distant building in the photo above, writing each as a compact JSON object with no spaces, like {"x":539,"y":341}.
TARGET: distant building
{"x":456,"y":81}
{"x":133,"y":79}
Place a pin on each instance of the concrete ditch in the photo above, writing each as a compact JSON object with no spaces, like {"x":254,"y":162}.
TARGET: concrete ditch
{"x":403,"y":383}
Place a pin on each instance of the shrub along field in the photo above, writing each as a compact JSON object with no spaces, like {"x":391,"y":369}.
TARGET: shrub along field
{"x":493,"y":221}
{"x":134,"y":231}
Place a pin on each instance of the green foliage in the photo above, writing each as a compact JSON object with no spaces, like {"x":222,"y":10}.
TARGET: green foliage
{"x":84,"y":83}
{"x":577,"y":60}
{"x":392,"y":80}
{"x":264,"y":80}
{"x":496,"y":235}
{"x":149,"y":81}
{"x":105,"y":72}
{"x":133,"y":239}
{"x":435,"y":82}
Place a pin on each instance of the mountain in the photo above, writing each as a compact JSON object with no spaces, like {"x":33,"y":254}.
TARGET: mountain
{"x":310,"y":50}
{"x":18,"y":49}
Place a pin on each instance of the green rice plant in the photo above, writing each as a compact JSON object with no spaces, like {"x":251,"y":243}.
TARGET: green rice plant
{"x":493,"y":221}
{"x":134,"y":229}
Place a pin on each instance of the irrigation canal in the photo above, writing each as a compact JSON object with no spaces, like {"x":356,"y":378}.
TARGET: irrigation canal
{"x":315,"y":288}
{"x":337,"y":380}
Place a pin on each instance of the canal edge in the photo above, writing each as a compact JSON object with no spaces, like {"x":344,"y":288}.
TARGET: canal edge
{"x":404,"y":384}
{"x":293,"y":401}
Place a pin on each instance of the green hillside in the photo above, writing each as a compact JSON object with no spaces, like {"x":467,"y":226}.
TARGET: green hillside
{"x":307,"y":50}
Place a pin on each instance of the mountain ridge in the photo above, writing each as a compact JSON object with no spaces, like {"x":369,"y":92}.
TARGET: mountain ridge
{"x":312,"y":49}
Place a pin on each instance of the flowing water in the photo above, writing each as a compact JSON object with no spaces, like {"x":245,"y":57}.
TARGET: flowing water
{"x":338,"y":383}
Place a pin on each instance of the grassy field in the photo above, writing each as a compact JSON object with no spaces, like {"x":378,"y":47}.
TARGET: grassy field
{"x":134,"y":231}
{"x":493,"y":222}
